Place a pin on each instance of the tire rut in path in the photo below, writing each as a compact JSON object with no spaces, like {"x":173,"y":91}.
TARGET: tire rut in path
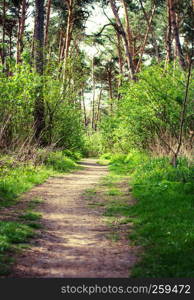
{"x":73,"y":241}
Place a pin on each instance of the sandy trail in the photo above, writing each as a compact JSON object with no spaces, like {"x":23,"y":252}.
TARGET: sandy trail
{"x":73,"y":240}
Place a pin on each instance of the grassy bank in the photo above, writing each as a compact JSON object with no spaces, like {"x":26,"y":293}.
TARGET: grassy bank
{"x":163,"y":214}
{"x":17,"y":177}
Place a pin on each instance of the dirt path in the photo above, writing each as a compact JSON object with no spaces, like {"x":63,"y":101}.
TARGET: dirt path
{"x":73,"y":241}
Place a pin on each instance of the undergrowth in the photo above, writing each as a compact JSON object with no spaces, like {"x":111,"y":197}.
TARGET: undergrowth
{"x":16,"y":178}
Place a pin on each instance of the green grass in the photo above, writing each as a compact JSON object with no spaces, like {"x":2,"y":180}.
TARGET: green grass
{"x":30,"y":216}
{"x":163,"y":216}
{"x":17,"y":178}
{"x":11,"y":235}
{"x":114,"y":192}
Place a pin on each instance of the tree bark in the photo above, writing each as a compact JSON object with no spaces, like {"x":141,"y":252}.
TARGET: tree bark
{"x":176,"y":33}
{"x":39,"y":66}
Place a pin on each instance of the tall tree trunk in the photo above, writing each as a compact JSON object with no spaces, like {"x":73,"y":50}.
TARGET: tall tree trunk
{"x":176,"y":33}
{"x":109,"y":78}
{"x":128,"y":28}
{"x":119,"y":51}
{"x":84,"y":109}
{"x":98,"y":109}
{"x":39,"y":65}
{"x":182,"y":117}
{"x":47,"y":22}
{"x":21,"y":26}
{"x":93,"y":95}
{"x":3,"y":36}
{"x":70,"y":4}
{"x":169,"y":35}
{"x":33,"y":43}
{"x":124,"y":36}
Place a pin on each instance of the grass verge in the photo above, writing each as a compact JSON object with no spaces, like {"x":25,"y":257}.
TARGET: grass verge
{"x":16,"y":178}
{"x":163,"y":215}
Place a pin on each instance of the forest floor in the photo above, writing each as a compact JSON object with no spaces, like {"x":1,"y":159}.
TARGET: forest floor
{"x":75,"y":240}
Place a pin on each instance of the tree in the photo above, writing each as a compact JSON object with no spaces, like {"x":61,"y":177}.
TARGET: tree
{"x":39,"y":119}
{"x":173,"y":18}
{"x":125,"y":37}
{"x":22,"y":10}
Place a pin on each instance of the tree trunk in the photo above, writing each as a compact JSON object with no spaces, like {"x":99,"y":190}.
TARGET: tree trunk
{"x":47,"y":22}
{"x":69,"y":29}
{"x":155,"y":44}
{"x":182,"y":117}
{"x":124,"y":36}
{"x":119,"y":51}
{"x":109,"y":78}
{"x":128,"y":28}
{"x":176,"y":33}
{"x":84,"y":109}
{"x":39,"y":66}
{"x":21,"y":26}
{"x":93,"y":95}
{"x":145,"y":39}
{"x":3,"y":36}
{"x":98,"y":109}
{"x":169,"y":36}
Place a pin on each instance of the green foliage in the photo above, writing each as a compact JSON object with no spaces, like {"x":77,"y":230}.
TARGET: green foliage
{"x":59,"y":162}
{"x":93,"y":145}
{"x":163,"y":215}
{"x":17,"y":101}
{"x":148,"y":117}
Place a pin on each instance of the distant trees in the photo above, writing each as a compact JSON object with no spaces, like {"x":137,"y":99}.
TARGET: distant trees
{"x":48,"y":73}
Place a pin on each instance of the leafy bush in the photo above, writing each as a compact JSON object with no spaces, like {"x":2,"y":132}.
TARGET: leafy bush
{"x":93,"y":145}
{"x":59,"y":162}
{"x":148,"y":117}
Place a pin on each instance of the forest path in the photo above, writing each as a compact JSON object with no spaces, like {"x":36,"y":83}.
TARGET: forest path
{"x":73,"y":240}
